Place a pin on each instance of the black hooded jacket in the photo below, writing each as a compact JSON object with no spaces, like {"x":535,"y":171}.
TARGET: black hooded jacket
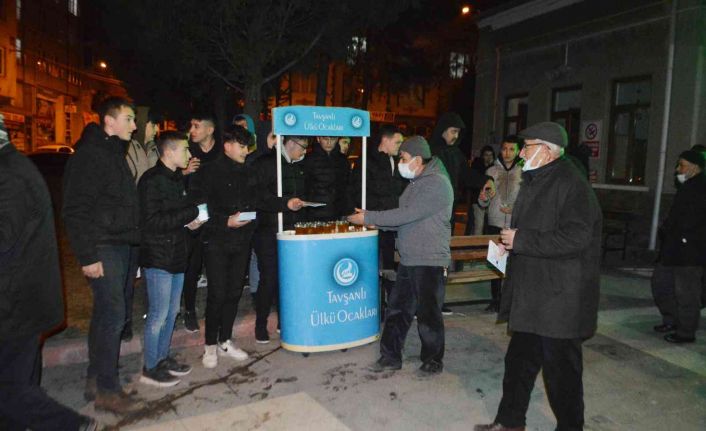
{"x":326,"y":181}
{"x":455,"y":162}
{"x":165,"y":209}
{"x":384,"y":183}
{"x":100,"y":197}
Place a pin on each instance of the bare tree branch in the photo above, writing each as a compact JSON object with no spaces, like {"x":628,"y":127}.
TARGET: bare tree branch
{"x":224,"y":79}
{"x":296,"y":60}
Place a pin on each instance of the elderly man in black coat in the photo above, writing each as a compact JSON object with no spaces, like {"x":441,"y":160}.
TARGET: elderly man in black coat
{"x":676,"y":282}
{"x":30,"y":296}
{"x":552,"y":285}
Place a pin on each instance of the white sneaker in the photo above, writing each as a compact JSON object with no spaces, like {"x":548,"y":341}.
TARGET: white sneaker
{"x":210,"y":358}
{"x":203,"y":282}
{"x":227,"y":348}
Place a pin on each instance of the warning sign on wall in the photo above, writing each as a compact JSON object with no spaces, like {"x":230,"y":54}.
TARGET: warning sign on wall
{"x":591,"y":136}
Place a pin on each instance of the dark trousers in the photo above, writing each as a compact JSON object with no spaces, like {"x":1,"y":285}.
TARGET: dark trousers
{"x":192,"y":273}
{"x":23,"y":403}
{"x":677,"y":293}
{"x":418,"y":290}
{"x":226,"y":265}
{"x":561,"y":363}
{"x":662,"y":284}
{"x":495,"y":284}
{"x":108,"y":316}
{"x":130,"y":282}
{"x":386,"y":245}
{"x":265,"y":244}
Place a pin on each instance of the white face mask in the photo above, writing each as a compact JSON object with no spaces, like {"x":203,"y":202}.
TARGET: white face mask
{"x":405,"y":171}
{"x":528,"y":163}
{"x":681,"y":178}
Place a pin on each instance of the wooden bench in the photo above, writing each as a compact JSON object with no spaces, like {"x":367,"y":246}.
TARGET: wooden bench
{"x":472,"y":248}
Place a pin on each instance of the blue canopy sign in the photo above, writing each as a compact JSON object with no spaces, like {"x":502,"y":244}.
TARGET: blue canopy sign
{"x":320,"y":121}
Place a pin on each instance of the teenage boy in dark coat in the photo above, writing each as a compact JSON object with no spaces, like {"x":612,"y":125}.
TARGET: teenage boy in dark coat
{"x":230,"y":188}
{"x":31,"y":300}
{"x":327,"y":172}
{"x":102,"y":222}
{"x":552,"y":284}
{"x":166,"y":214}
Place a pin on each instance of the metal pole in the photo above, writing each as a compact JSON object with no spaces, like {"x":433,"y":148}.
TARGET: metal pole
{"x":665,"y":127}
{"x":365,"y":172}
{"x":280,"y":217}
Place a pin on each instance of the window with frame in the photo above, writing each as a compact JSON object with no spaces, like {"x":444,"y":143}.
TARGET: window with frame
{"x":357,"y":48}
{"x":458,"y":65}
{"x":566,"y":110}
{"x":2,"y":62}
{"x":629,"y":131}
{"x":515,"y":114}
{"x":73,"y":7}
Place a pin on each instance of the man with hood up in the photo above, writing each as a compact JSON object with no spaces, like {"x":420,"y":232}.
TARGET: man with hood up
{"x":444,"y":143}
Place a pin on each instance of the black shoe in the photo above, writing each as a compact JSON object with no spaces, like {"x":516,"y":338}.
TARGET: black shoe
{"x":384,"y":364}
{"x":126,"y":335}
{"x":665,"y":328}
{"x":173,"y":367}
{"x":678,"y":339}
{"x":159,"y":377}
{"x":190,"y":322}
{"x":261,"y":335}
{"x":432,"y":367}
{"x":446,"y":311}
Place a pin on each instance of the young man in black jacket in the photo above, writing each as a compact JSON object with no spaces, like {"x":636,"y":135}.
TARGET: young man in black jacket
{"x":327,"y":172}
{"x":165,"y":215}
{"x":384,"y":187}
{"x":204,"y":147}
{"x":265,"y":239}
{"x":101,"y":214}
{"x":230,"y":188}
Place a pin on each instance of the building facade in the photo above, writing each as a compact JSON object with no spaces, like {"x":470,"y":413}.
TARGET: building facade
{"x":600,"y":68}
{"x":46,"y":89}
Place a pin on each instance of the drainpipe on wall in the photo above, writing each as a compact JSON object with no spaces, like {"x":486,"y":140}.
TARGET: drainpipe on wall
{"x":665,"y":128}
{"x":696,"y":108}
{"x":497,"y":90}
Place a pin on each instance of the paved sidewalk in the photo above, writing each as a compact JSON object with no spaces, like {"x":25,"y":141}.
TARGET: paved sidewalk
{"x":633,"y":381}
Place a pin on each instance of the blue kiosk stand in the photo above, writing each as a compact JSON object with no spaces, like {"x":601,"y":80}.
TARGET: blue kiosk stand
{"x":328,"y":283}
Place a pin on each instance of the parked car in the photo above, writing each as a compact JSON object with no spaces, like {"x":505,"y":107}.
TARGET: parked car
{"x":54,"y":148}
{"x":51,"y":164}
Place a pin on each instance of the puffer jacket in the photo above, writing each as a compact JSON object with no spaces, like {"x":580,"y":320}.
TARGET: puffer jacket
{"x":164,"y":210}
{"x":100,"y":197}
{"x":293,"y":185}
{"x":384,"y":183}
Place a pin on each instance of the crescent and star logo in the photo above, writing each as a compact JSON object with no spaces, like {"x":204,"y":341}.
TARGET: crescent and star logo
{"x":345,"y":272}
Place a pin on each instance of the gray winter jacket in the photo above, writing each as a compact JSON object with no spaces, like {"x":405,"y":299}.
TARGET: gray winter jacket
{"x":422,"y":218}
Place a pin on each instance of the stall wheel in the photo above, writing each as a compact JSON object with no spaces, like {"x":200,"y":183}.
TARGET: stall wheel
{"x":306,"y":355}
{"x":344,"y":350}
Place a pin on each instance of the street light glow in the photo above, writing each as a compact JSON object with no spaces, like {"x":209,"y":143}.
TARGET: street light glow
{"x":103,"y":65}
{"x":466,"y":10}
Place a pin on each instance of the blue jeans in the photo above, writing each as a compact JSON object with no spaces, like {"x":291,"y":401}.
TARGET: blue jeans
{"x":108,"y":316}
{"x":164,"y":293}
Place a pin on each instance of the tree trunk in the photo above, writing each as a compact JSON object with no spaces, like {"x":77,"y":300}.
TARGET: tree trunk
{"x":219,"y":106}
{"x":253,"y":99}
{"x":322,"y":80}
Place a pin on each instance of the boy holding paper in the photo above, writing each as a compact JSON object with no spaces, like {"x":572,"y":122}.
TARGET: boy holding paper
{"x":231,"y":189}
{"x":165,"y":215}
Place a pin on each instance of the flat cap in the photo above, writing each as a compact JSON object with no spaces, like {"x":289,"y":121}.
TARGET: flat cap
{"x":547,"y":131}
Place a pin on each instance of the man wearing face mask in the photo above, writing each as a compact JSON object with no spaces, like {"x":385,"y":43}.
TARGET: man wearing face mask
{"x":551,"y":290}
{"x":424,"y":232}
{"x":676,"y":282}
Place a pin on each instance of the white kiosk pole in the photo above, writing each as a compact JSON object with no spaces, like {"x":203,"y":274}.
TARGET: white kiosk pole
{"x":365,"y":173}
{"x":280,"y":217}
